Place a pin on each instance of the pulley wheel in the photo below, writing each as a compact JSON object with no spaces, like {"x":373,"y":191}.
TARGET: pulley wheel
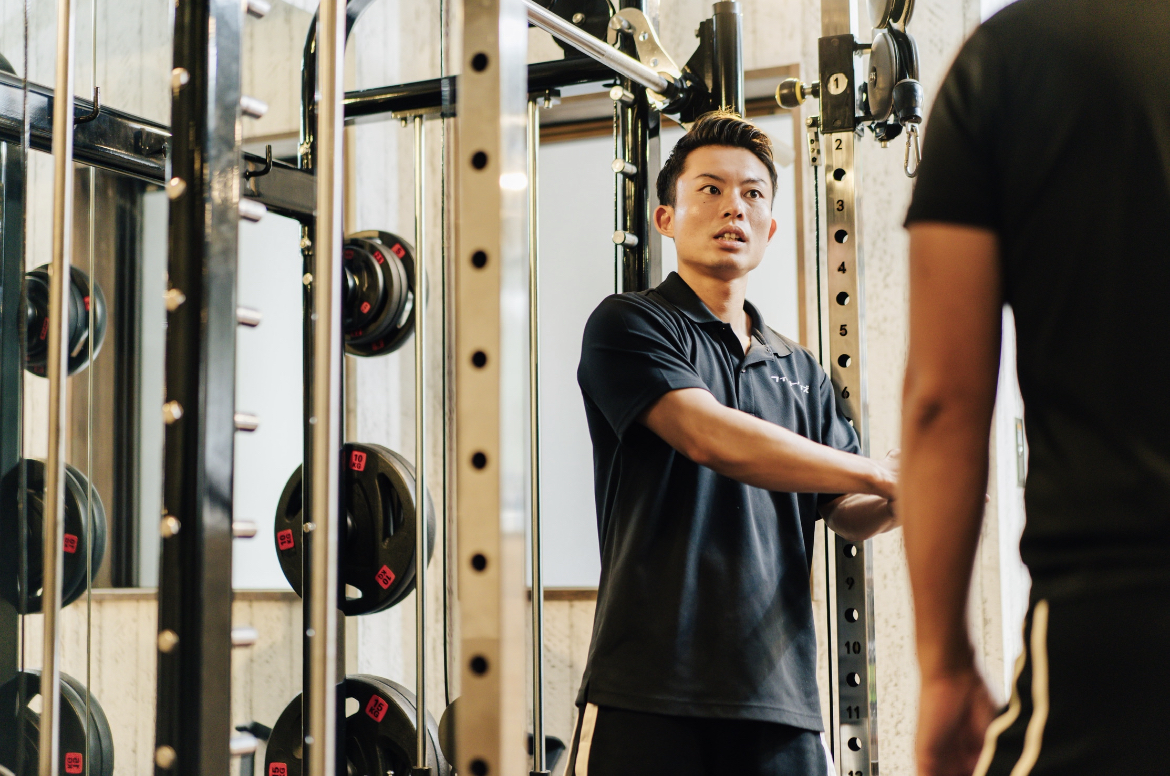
{"x":380,"y":736}
{"x":390,"y":329}
{"x":884,"y":13}
{"x":76,"y":751}
{"x":77,"y":538}
{"x":884,"y":68}
{"x":377,"y":565}
{"x":37,"y":320}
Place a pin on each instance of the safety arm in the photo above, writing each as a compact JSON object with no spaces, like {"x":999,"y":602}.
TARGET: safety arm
{"x":754,"y":451}
{"x":951,"y":375}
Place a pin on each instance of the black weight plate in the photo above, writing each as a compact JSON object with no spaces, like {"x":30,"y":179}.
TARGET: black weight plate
{"x":73,"y":569}
{"x":554,"y":747}
{"x":368,"y":295}
{"x":75,"y":750}
{"x":395,"y":282}
{"x":99,"y":728}
{"x":392,"y":337}
{"x":96,"y":539}
{"x":37,"y":343}
{"x":407,"y":473}
{"x":377,"y":551}
{"x":380,"y":735}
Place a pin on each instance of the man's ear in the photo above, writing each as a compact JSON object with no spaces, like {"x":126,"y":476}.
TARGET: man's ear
{"x":772,"y":230}
{"x":664,"y":221}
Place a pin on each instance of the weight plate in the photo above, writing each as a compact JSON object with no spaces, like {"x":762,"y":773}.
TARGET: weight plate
{"x":380,"y":735}
{"x":73,"y":581}
{"x":390,"y":333}
{"x":554,"y":747}
{"x":377,"y":548}
{"x":395,"y":283}
{"x":367,"y":291}
{"x":37,"y":320}
{"x":883,"y":74}
{"x":76,"y":751}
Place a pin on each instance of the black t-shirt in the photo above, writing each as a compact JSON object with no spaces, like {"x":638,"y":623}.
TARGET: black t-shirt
{"x":1053,"y":130}
{"x":704,"y":607}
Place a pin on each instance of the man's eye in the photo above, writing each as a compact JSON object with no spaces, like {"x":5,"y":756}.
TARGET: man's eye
{"x":754,"y":194}
{"x":710,"y":189}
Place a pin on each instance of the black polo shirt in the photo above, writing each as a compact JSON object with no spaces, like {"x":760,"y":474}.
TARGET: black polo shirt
{"x":703,"y":607}
{"x":1051,"y":131}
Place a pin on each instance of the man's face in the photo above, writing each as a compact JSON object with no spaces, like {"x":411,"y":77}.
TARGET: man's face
{"x":721,"y":221}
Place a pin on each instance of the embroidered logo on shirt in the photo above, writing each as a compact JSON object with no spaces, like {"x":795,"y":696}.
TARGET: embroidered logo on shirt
{"x":796,"y":386}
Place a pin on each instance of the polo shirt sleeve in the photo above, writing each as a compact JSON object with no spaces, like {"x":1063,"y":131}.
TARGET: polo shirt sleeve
{"x":836,"y":432}
{"x":630,"y":356}
{"x":958,"y":181}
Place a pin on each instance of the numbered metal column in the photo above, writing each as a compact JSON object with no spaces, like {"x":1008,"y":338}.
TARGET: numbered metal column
{"x":491,"y":386}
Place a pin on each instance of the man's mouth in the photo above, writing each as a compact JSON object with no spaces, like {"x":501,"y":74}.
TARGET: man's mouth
{"x":729,"y":237}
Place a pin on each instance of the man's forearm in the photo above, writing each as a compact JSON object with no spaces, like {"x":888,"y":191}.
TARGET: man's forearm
{"x":858,"y":517}
{"x":754,"y":451}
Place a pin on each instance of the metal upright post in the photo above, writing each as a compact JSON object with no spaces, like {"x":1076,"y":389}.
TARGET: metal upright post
{"x":856,"y":689}
{"x":534,"y":538}
{"x":324,"y":446}
{"x":420,"y":447}
{"x":193,"y":709}
{"x":728,"y":28}
{"x":491,"y":411}
{"x":54,"y":499}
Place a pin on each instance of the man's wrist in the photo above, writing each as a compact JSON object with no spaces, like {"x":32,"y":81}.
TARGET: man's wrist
{"x":878,"y":480}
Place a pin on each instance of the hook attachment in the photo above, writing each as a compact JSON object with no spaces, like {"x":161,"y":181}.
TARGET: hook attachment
{"x":93,"y":114}
{"x":912,"y":138}
{"x":267,"y":168}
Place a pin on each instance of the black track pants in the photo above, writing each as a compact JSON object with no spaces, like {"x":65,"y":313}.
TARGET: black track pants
{"x":618,"y":742}
{"x":1091,"y":689}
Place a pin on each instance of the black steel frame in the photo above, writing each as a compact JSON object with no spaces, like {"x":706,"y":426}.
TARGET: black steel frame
{"x":195,"y":581}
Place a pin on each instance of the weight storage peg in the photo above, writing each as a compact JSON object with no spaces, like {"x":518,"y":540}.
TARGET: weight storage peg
{"x":377,"y":564}
{"x":37,"y":322}
{"x":380,"y":736}
{"x":94,"y":756}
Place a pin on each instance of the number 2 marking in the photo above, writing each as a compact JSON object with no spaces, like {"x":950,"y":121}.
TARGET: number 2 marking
{"x":837,"y":144}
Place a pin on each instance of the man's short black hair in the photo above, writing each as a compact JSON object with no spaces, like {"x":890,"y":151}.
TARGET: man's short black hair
{"x":717,"y":128}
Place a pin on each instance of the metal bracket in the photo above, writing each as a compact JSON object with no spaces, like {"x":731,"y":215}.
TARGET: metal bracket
{"x":649,"y":47}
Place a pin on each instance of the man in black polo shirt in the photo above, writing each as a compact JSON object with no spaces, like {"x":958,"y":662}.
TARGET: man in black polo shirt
{"x":1045,"y":184}
{"x":716,"y":442}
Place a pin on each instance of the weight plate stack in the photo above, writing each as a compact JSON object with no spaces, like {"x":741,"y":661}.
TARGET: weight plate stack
{"x":389,"y":319}
{"x":77,"y":538}
{"x":76,"y":752}
{"x":380,"y":736}
{"x":37,"y":320}
{"x":377,"y":548}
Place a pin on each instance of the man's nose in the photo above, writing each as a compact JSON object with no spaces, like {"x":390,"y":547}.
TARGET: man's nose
{"x":735,"y":207}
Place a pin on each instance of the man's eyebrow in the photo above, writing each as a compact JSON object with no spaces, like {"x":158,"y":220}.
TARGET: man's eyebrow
{"x":715,"y":177}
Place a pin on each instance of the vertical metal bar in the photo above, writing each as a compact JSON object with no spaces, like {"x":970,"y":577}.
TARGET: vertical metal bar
{"x":728,"y":24}
{"x":54,"y":500}
{"x":323,"y":464}
{"x":856,"y":673}
{"x":420,"y":447}
{"x":491,"y":407}
{"x":13,"y":526}
{"x":193,"y":704}
{"x":534,"y":439}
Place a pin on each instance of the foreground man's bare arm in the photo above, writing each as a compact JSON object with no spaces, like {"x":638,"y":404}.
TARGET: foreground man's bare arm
{"x":956,"y":302}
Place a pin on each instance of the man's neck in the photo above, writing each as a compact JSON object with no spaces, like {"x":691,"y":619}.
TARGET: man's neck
{"x":723,"y":297}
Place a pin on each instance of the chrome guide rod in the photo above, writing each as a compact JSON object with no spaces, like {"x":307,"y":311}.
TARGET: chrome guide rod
{"x":597,"y":49}
{"x":534,"y":441}
{"x":322,"y":466}
{"x":420,"y":427}
{"x":54,"y":499}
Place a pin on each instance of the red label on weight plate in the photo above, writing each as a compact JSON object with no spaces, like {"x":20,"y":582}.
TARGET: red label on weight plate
{"x":70,"y":543}
{"x":45,"y":328}
{"x":365,"y":307}
{"x":348,"y":253}
{"x":384,"y":577}
{"x":277,"y":769}
{"x":74,"y":762}
{"x":378,"y":257}
{"x":398,"y":250}
{"x":376,"y":708}
{"x":87,"y":303}
{"x":284,"y":539}
{"x":357,"y":461}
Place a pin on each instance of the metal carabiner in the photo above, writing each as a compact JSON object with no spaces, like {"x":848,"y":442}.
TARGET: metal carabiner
{"x":912,"y":137}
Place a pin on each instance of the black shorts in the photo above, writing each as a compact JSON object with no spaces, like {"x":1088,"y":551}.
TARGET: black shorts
{"x":1090,"y":691}
{"x":617,"y":742}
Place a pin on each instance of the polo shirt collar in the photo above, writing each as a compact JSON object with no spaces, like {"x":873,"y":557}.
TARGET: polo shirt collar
{"x":676,"y":291}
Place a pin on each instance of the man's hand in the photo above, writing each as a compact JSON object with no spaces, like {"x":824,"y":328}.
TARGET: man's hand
{"x":857,"y":517}
{"x":954,"y":711}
